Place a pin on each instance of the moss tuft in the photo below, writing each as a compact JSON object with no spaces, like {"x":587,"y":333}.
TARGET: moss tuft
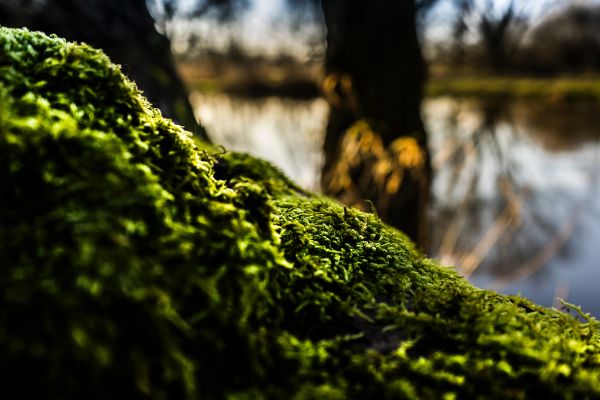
{"x":134,"y":265}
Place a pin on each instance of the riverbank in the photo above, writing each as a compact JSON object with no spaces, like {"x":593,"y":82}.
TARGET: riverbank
{"x":256,"y":80}
{"x":553,"y":89}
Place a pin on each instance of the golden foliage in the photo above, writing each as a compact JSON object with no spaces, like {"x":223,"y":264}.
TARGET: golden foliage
{"x":365,"y":161}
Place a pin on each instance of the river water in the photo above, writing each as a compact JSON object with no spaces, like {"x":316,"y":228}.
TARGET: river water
{"x":516,"y":191}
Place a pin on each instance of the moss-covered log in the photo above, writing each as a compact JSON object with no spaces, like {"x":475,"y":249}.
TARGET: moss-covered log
{"x":134,"y":265}
{"x":126,"y":31}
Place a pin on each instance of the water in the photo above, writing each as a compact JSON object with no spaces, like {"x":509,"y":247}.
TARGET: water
{"x":515,"y":197}
{"x":289,"y":133}
{"x":516,"y":192}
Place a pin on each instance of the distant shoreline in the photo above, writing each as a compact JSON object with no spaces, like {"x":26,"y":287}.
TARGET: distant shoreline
{"x":555,"y":89}
{"x":296,"y":83}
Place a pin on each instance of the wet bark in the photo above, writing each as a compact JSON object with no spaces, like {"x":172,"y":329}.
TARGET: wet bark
{"x":375,"y":73}
{"x":126,"y":32}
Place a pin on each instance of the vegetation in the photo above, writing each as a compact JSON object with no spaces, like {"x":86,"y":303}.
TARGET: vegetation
{"x":487,"y":87}
{"x":564,"y":42}
{"x":135,"y":265}
{"x":126,"y":31}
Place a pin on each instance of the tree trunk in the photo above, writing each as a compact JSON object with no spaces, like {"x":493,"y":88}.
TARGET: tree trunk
{"x":126,"y":32}
{"x":375,"y":75}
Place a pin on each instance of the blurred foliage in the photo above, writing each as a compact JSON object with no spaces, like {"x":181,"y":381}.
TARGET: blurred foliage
{"x":485,"y":36}
{"x":223,"y":10}
{"x":366,"y":165}
{"x":135,"y":265}
{"x":567,"y":41}
{"x":552,"y":90}
{"x":508,"y":40}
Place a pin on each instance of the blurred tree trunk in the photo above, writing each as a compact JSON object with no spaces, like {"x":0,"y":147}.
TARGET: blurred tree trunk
{"x":126,"y":32}
{"x":375,"y":74}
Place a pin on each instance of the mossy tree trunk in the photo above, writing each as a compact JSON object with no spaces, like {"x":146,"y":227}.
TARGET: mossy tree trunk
{"x":126,"y":32}
{"x":135,"y":266}
{"x":375,"y":74}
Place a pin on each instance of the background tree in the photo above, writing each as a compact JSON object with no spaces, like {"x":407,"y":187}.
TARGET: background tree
{"x":499,"y":35}
{"x":487,"y":36}
{"x":567,"y":40}
{"x":375,"y":75}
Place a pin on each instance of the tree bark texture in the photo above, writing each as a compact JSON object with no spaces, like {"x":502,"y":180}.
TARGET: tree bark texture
{"x":375,"y":74}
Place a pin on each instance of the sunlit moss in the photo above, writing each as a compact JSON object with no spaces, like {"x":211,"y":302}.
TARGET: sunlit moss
{"x":134,"y":265}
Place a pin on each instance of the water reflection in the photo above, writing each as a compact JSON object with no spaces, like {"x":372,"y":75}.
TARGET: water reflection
{"x":514,"y":194}
{"x":287,"y":132}
{"x":515,"y":201}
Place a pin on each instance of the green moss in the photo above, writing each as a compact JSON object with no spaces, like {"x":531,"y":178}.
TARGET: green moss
{"x":134,"y":265}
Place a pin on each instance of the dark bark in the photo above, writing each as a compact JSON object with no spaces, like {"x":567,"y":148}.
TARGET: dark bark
{"x":126,"y":32}
{"x":375,"y":72}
